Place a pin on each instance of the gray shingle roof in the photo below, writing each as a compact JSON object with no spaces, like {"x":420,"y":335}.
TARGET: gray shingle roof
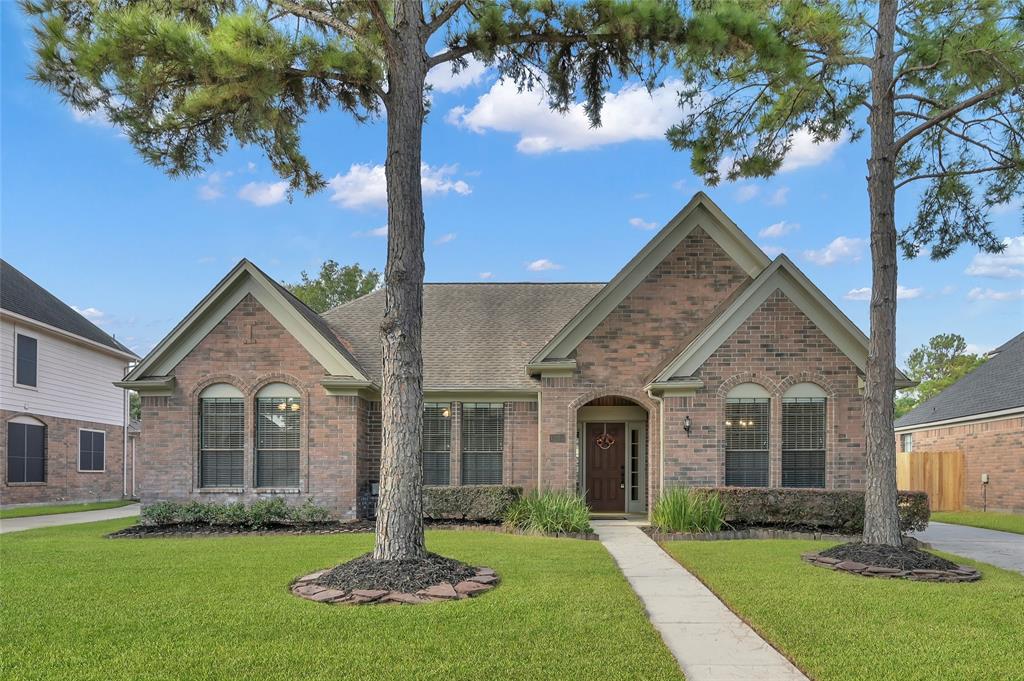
{"x":21,"y":295}
{"x":475,"y":336}
{"x":996,"y":385}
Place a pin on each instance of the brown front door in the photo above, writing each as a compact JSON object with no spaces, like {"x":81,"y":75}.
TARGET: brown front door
{"x":606,"y":466}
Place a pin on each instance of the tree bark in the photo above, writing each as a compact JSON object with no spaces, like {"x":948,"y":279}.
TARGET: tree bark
{"x":881,"y":516}
{"x":400,"y":505}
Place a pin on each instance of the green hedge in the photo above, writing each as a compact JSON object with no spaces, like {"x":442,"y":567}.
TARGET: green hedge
{"x":258,"y":515}
{"x":840,"y":511}
{"x":487,"y":503}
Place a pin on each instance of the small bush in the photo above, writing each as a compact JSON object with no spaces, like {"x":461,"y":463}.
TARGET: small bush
{"x":840,"y":511}
{"x":688,"y":510}
{"x":308,"y":512}
{"x":550,"y":512}
{"x":161,"y":513}
{"x":482,"y":503}
{"x":262,"y":514}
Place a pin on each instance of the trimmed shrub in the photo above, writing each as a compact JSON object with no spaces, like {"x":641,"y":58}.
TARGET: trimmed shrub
{"x":550,"y":513}
{"x":261,"y":514}
{"x":689,"y":510}
{"x":483,"y":503}
{"x":840,"y":511}
{"x":161,"y":513}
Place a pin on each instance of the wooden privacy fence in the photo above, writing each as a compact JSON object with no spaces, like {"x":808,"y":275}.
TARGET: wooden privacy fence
{"x":940,"y":474}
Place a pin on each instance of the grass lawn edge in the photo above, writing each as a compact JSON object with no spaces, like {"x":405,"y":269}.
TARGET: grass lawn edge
{"x":986,"y":520}
{"x":59,"y":509}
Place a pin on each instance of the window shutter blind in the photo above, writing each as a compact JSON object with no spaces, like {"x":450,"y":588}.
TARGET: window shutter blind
{"x":221,"y":442}
{"x":803,"y":442}
{"x":278,"y":437}
{"x":483,"y":435}
{"x":437,"y":443}
{"x":746,"y":442}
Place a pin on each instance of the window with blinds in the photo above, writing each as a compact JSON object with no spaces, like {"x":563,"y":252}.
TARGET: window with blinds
{"x":483,"y":436}
{"x":803,"y":442}
{"x":746,"y":441}
{"x":91,"y":450}
{"x":26,"y":452}
{"x":278,"y":434}
{"x":437,"y":443}
{"x":221,"y":442}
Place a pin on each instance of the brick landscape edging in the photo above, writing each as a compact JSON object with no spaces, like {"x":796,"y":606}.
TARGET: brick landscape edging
{"x":483,"y":581}
{"x":750,"y":534}
{"x":962,"y":573}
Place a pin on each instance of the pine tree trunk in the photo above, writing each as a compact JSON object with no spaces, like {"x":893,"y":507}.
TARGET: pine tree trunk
{"x":881,"y":517}
{"x":400,"y":507}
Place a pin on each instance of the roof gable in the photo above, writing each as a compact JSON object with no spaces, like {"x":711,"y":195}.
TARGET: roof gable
{"x":246,"y":279}
{"x":702,"y":212}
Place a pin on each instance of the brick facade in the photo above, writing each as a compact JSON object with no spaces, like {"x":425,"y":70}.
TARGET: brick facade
{"x":64,"y":483}
{"x":995,"y":447}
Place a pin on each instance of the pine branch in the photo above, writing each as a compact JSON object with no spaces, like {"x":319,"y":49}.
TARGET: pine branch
{"x":326,"y":20}
{"x":446,"y":13}
{"x":949,"y":113}
{"x":956,"y":173}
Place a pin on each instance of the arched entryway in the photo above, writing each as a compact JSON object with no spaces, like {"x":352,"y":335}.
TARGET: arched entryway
{"x":612,"y":454}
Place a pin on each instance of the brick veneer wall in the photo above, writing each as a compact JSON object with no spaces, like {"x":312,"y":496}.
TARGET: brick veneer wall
{"x":63,"y":481}
{"x":995,"y":447}
{"x":249,"y":349}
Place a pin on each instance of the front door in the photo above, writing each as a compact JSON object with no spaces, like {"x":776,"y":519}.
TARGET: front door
{"x":606,"y":466}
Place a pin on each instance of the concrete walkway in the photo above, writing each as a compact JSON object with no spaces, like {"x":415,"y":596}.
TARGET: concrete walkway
{"x":1003,"y":549}
{"x":710,"y":642}
{"x":20,"y":524}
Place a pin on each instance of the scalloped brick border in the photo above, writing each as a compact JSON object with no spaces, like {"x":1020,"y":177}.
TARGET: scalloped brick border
{"x":962,"y":573}
{"x":483,"y":581}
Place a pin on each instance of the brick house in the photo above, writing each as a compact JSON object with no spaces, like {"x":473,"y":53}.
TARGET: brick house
{"x":64,"y":420}
{"x":703,"y":362}
{"x":982,"y":416}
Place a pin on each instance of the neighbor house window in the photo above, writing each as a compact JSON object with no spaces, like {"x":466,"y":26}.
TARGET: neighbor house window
{"x":278,"y":436}
{"x":746,"y":436}
{"x":437,"y":443}
{"x":907,"y":441}
{"x":483,"y":436}
{"x":803,"y":436}
{"x":221,"y":437}
{"x":26,"y":451}
{"x":92,"y":450}
{"x":26,"y":360}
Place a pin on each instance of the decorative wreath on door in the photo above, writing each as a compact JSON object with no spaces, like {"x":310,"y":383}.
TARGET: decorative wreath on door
{"x":605,"y":440}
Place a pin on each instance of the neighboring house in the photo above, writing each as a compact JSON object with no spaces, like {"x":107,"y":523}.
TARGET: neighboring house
{"x":703,"y":362}
{"x":981,"y":415}
{"x":64,"y":419}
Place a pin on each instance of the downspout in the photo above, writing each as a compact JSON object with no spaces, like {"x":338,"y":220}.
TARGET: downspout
{"x":124,"y":438}
{"x":661,"y":445}
{"x":540,"y":436}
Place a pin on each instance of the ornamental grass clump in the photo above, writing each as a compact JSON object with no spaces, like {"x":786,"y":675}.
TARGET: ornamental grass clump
{"x":687,"y":510}
{"x":550,"y":513}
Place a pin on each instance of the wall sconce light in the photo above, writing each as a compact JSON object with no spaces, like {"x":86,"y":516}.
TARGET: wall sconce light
{"x":687,"y":424}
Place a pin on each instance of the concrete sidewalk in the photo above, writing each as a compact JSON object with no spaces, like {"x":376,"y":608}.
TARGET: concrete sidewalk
{"x":709,"y":641}
{"x":1002,"y":549}
{"x":34,"y":522}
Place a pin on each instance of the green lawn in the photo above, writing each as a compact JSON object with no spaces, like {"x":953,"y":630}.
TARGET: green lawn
{"x":28,"y":511}
{"x":77,"y":606}
{"x":837,"y":626}
{"x":1005,"y":522}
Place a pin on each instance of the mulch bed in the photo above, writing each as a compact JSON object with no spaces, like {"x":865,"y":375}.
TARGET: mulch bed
{"x":746,"y":533}
{"x":889,"y":562}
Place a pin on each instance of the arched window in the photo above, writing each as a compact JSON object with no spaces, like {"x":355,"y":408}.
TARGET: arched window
{"x":26,"y":450}
{"x":221,"y":436}
{"x":278,"y":436}
{"x":746,"y":436}
{"x":803,"y":436}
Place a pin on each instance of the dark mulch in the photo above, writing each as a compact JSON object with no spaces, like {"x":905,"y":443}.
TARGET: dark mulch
{"x":408,"y":576}
{"x":328,"y":527}
{"x":895,"y":557}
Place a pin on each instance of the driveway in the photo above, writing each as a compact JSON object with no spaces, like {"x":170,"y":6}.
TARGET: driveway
{"x":20,"y":524}
{"x":1003,"y":549}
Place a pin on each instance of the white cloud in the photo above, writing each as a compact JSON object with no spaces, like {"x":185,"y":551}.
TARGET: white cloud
{"x":442,"y":79}
{"x":779,"y":197}
{"x":804,"y":152}
{"x":746,"y":192}
{"x":989,"y":294}
{"x":902,"y":293}
{"x":445,"y":238}
{"x":948,"y":289}
{"x":542,"y":265}
{"x":264,"y":193}
{"x":640,"y":223}
{"x":975,"y":349}
{"x":91,"y":313}
{"x":858,"y":294}
{"x":214,"y":187}
{"x":1006,"y":265}
{"x":97,"y":117}
{"x":487,"y":275}
{"x":378,"y":231}
{"x":365,"y":186}
{"x":1013,"y":205}
{"x":679,"y":185}
{"x":629,"y":114}
{"x":779,"y":229}
{"x":842,"y":248}
{"x":251,"y":167}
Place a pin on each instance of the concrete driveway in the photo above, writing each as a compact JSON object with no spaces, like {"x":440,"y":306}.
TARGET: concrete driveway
{"x":1003,"y":549}
{"x":20,"y":524}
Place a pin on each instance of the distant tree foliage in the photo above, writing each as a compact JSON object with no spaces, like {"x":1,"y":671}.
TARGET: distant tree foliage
{"x":936,"y":365}
{"x":336,"y":284}
{"x":134,"y":406}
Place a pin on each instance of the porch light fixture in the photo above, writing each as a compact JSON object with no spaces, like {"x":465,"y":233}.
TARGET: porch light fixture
{"x":446,"y":412}
{"x":687,"y":425}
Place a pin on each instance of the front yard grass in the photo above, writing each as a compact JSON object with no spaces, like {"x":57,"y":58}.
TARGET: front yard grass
{"x":78,"y":606}
{"x":52,"y":509}
{"x":989,"y":520}
{"x":839,"y":626}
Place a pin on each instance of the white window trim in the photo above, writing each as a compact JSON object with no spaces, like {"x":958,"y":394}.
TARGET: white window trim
{"x":79,"y":462}
{"x":18,"y":331}
{"x":903,"y":442}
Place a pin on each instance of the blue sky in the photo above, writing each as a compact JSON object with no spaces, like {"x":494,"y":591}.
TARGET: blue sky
{"x":513,"y":193}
